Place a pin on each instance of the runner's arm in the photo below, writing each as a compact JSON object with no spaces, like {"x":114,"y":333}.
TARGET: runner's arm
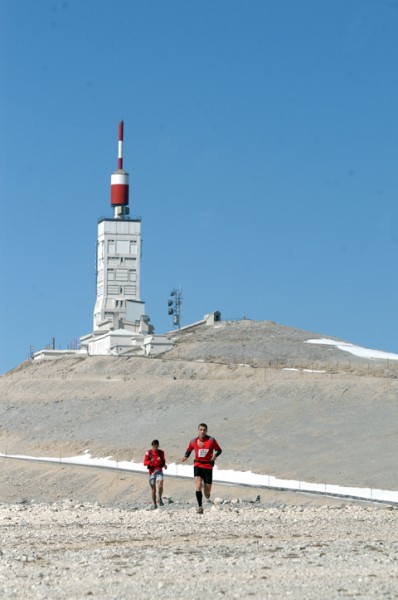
{"x":147,"y":460}
{"x":216,"y":450}
{"x":187,"y":452}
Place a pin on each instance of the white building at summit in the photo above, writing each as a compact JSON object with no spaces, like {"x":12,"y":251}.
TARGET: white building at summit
{"x":118,"y":272}
{"x":121,"y":326}
{"x":120,"y":323}
{"x":118,"y":256}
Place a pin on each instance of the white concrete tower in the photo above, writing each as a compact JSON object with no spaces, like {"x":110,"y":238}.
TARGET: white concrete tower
{"x":118,"y":257}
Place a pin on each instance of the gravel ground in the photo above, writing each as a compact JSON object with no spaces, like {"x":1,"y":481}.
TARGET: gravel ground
{"x":235,"y":549}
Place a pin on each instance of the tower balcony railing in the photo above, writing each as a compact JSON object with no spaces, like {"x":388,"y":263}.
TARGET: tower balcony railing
{"x":124,"y":218}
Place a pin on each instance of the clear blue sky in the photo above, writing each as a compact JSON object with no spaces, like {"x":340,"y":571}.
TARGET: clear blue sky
{"x":261,"y":139}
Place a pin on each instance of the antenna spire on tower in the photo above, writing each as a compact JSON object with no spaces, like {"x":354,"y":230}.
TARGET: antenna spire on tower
{"x":120,"y":147}
{"x":120,"y":182}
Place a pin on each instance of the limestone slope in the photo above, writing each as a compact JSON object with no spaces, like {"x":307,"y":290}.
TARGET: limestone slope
{"x":331,"y":419}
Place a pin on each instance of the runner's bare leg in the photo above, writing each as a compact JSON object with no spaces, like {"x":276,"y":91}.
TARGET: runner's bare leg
{"x":153,"y":490}
{"x":160,"y":490}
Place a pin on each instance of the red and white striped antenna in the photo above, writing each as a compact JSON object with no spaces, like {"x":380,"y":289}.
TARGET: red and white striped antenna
{"x":120,"y":147}
{"x":120,"y":182}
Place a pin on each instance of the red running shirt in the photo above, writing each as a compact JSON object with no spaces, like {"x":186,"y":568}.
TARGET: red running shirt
{"x":154,"y":460}
{"x":203,"y":451}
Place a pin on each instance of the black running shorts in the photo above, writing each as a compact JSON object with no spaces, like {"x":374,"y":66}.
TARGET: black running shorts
{"x":205,"y":474}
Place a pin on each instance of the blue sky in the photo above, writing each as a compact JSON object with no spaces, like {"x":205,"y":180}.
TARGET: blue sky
{"x":261,"y":139}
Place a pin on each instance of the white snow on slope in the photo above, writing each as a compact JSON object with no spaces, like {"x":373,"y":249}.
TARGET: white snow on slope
{"x":356,"y":350}
{"x":226,"y":476}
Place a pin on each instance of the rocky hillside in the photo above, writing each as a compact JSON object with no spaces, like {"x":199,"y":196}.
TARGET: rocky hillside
{"x":276,"y":405}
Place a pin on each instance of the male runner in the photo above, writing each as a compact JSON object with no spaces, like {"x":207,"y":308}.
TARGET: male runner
{"x":206,"y":451}
{"x":155,"y":461}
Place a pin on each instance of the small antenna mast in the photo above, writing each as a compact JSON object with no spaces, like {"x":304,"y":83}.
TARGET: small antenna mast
{"x":174,"y":304}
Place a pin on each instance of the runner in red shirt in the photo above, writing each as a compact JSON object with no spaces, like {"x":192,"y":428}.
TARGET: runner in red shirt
{"x":155,"y":462}
{"x":206,"y":451}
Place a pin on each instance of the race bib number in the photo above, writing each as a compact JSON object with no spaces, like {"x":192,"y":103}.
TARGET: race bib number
{"x":202,"y":452}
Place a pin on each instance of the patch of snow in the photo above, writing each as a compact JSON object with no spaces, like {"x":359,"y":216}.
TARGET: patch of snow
{"x":356,"y":350}
{"x":227,"y":476}
{"x":302,"y":370}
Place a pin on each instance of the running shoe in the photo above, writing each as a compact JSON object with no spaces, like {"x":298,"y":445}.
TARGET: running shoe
{"x":200,"y":510}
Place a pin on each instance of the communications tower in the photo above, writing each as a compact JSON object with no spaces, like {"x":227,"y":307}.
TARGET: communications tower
{"x":118,"y":257}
